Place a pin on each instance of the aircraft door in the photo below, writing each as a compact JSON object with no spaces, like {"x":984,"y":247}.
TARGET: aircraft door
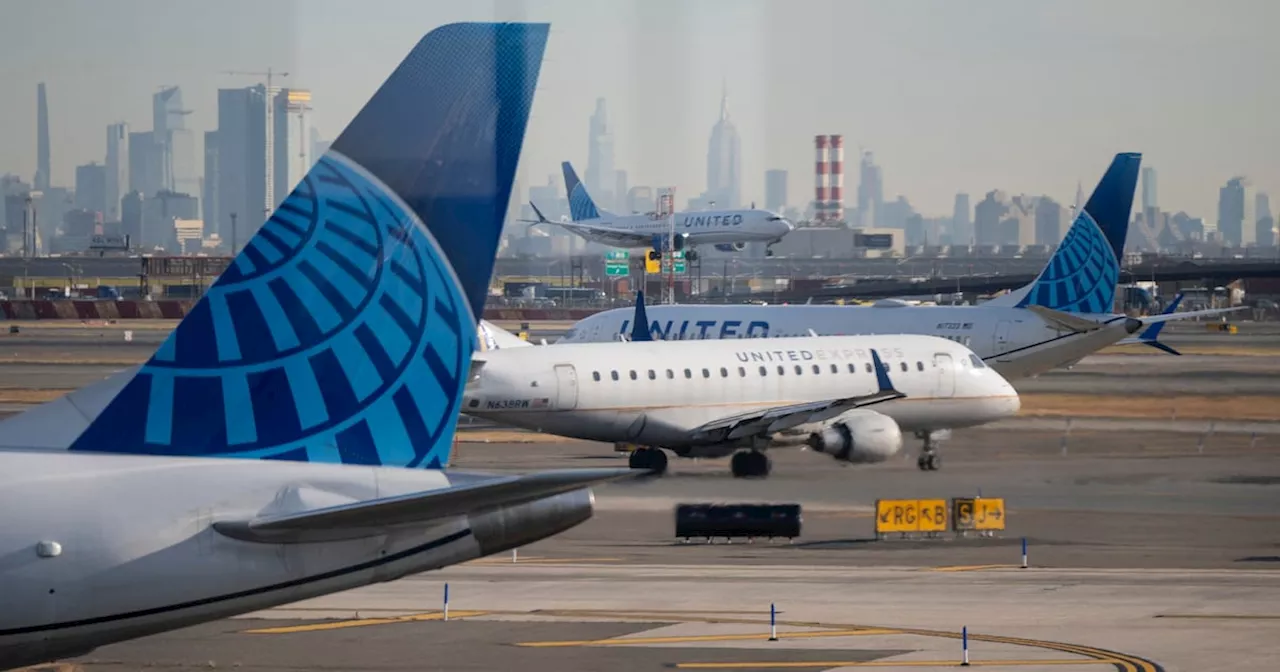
{"x":946,"y":373}
{"x":566,"y":387}
{"x":1002,"y":337}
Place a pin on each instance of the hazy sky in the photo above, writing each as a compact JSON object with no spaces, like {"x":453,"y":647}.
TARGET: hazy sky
{"x":1024,"y":95}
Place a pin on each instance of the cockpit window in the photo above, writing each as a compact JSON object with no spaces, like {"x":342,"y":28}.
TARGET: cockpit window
{"x":977,"y":363}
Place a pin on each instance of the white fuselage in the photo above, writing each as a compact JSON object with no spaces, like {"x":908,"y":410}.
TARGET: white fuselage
{"x":139,"y":555}
{"x":658,"y":392}
{"x":1014,"y":341}
{"x":709,"y":227}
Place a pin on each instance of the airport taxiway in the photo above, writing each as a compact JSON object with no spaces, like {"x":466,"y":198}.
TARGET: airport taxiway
{"x":1154,"y":544}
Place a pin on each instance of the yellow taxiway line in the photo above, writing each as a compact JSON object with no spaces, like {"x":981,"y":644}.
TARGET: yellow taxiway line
{"x":825,"y":664}
{"x":361,"y":622}
{"x":970,"y":568}
{"x":709,"y":638}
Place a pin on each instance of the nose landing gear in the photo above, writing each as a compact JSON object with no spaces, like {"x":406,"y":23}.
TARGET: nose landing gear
{"x":750,"y":464}
{"x":929,"y":459}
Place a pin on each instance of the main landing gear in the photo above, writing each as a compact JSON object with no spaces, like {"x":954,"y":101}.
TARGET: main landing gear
{"x":653,"y":459}
{"x":750,"y":464}
{"x":929,"y":459}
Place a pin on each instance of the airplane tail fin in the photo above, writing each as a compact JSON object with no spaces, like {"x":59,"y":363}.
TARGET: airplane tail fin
{"x":1083,"y":273}
{"x":580,"y":204}
{"x":344,"y":330}
{"x":640,"y":323}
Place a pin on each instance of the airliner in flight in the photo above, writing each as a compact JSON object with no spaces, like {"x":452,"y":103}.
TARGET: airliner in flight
{"x":851,"y":397}
{"x":1062,"y":316}
{"x":329,"y":360}
{"x":727,"y":230}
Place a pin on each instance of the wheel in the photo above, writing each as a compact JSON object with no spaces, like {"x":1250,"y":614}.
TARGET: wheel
{"x":691,"y":255}
{"x":768,"y":252}
{"x":652,"y":459}
{"x":923,"y":462}
{"x":935,"y":462}
{"x":750,"y":464}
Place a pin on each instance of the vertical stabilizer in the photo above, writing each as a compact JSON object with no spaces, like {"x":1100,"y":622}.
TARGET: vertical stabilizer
{"x":343,"y":332}
{"x":580,"y":204}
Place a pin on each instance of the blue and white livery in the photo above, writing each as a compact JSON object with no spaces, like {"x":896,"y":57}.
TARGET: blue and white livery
{"x":286,"y":440}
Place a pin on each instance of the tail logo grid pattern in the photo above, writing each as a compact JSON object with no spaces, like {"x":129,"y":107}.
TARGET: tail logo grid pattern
{"x":342,"y":304}
{"x":1082,"y":275}
{"x":580,"y":204}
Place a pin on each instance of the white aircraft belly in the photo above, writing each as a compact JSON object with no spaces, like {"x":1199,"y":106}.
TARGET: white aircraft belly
{"x":151,"y":560}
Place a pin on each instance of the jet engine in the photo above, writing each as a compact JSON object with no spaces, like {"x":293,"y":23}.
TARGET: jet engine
{"x":731,"y":247}
{"x":858,"y":436}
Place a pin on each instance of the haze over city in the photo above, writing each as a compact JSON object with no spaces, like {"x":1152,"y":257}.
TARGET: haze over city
{"x":1025,"y":97}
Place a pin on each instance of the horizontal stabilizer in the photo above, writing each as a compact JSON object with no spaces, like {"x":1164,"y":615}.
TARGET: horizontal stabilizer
{"x":1066,"y":320}
{"x":363,"y":519}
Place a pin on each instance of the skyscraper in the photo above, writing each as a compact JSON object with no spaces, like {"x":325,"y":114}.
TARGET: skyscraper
{"x":291,"y":136}
{"x":117,"y":170}
{"x":724,"y":160}
{"x":91,"y":187}
{"x":242,"y":163}
{"x":42,"y":139}
{"x":600,"y":178}
{"x":962,"y":221}
{"x":775,"y":190}
{"x":144,"y":164}
{"x":1235,"y":212}
{"x":173,"y":143}
{"x":870,"y":192}
{"x":209,"y":195}
{"x":1149,"y":189}
{"x":1266,"y":234}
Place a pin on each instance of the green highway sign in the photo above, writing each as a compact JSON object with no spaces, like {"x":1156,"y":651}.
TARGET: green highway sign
{"x":680,"y":267}
{"x":617,"y":255}
{"x":617,"y":269}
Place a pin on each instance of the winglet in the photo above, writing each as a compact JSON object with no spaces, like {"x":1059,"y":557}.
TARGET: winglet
{"x":882,"y":373}
{"x":640,"y":324}
{"x":542,"y":219}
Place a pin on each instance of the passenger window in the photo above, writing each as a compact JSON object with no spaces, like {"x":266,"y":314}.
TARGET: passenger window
{"x":903,"y":366}
{"x":763,"y":372}
{"x":595,"y":375}
{"x":688,"y":373}
{"x":799,"y":370}
{"x":816,"y":369}
{"x":781,"y":370}
{"x":724,"y":373}
{"x":868,"y":367}
{"x":852,"y":368}
{"x":742,"y":371}
{"x":835,"y":369}
{"x":614,"y":374}
{"x":706,"y":373}
{"x":653,"y":375}
{"x":670,"y":374}
{"x":633,"y":374}
{"x":919,"y":366}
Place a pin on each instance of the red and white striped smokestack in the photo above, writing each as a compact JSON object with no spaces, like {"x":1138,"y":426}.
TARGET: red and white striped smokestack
{"x":820,"y":144}
{"x":835,"y":204}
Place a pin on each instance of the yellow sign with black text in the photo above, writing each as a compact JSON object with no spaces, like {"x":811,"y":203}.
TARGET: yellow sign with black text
{"x":978,"y":513}
{"x":911,"y":515}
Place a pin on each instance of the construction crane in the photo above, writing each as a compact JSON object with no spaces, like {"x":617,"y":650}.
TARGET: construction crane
{"x":269,"y":74}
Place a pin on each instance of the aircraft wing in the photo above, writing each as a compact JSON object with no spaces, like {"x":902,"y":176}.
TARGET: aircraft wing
{"x":1208,"y":312}
{"x":1067,"y":321}
{"x":771,"y":420}
{"x":608,"y":235}
{"x":368,"y":518}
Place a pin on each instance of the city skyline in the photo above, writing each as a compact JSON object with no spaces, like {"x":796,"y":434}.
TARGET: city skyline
{"x":665,"y":100}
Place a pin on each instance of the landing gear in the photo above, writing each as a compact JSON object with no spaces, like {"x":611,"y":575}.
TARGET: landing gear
{"x":929,"y":459}
{"x":652,"y":459}
{"x":750,"y":464}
